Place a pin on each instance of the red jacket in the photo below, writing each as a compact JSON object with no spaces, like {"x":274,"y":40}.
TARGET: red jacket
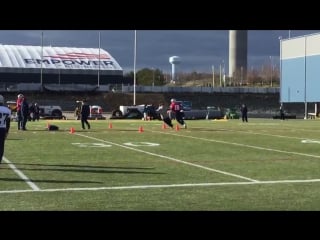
{"x":19,"y":101}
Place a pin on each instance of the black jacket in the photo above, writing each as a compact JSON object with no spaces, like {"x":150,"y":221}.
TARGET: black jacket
{"x":85,"y":110}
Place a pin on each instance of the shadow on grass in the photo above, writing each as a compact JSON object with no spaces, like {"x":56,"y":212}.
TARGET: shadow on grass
{"x":72,"y":165}
{"x":83,"y":168}
{"x":45,"y":181}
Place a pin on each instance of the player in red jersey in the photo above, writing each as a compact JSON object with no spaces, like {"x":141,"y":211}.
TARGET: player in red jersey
{"x":176,"y":108}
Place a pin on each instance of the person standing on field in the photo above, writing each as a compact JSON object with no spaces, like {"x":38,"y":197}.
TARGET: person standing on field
{"x":244,"y":112}
{"x":85,"y":112}
{"x":24,"y":113}
{"x":36,"y":112}
{"x":18,"y":107}
{"x":5,"y":116}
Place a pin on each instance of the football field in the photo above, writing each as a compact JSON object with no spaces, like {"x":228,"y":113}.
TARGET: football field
{"x":121,"y":165}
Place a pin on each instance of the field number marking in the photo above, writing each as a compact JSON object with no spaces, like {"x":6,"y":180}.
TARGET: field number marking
{"x":91,"y":145}
{"x":139,"y":144}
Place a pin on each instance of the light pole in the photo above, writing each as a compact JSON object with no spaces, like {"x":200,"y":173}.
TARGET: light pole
{"x":213,"y":76}
{"x":41,"y":70}
{"x":271,"y":70}
{"x":153,"y":72}
{"x":224,"y":73}
{"x":134,"y":67}
{"x":99,"y":59}
{"x":220,"y":76}
{"x":59,"y":76}
{"x":241,"y":76}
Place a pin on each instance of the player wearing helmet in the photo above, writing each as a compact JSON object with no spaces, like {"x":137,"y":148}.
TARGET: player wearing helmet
{"x":164,"y":114}
{"x":177,"y":109}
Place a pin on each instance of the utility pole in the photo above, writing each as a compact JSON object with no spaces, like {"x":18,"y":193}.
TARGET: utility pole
{"x":220,"y":77}
{"x":213,"y":76}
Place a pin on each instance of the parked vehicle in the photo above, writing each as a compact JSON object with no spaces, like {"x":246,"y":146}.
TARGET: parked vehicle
{"x":96,"y":112}
{"x":286,"y":116}
{"x":46,"y":111}
{"x":231,"y":113}
{"x":51,"y":111}
{"x":133,"y":112}
{"x":214,"y":112}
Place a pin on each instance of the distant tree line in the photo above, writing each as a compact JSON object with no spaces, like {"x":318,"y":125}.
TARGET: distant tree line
{"x":265,"y":76}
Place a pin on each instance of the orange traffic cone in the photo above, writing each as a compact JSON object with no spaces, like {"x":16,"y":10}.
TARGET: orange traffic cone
{"x":164,"y":126}
{"x":72,"y":130}
{"x":177,"y":127}
{"x":140,"y":129}
{"x":110,"y":125}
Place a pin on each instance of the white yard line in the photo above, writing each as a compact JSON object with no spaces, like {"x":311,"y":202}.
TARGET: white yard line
{"x":170,"y":158}
{"x":33,"y":186}
{"x":267,"y":134}
{"x":242,"y":145}
{"x":165,"y":186}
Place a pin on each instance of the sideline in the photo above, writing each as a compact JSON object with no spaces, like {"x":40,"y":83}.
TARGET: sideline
{"x":33,"y":186}
{"x":165,"y":186}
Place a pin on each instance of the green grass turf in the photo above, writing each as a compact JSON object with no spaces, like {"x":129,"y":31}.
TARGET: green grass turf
{"x":212,"y":165}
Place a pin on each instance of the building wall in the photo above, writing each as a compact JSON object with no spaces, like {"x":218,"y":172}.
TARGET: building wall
{"x":300,"y":71}
{"x":14,"y":78}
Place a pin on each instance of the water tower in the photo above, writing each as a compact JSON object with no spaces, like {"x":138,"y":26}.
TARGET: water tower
{"x":174,"y":60}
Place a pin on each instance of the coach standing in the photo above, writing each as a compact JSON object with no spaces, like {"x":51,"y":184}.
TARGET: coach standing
{"x":5,"y":115}
{"x":85,"y":112}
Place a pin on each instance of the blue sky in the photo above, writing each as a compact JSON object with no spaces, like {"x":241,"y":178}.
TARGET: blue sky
{"x":199,"y":49}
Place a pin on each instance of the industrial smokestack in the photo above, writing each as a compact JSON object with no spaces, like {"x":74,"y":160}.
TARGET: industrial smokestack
{"x":238,"y":45}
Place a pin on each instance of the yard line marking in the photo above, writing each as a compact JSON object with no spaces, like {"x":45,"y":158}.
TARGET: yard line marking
{"x":243,"y":145}
{"x":266,"y":134}
{"x":21,"y":175}
{"x":164,"y":186}
{"x":309,"y":141}
{"x":170,"y":158}
{"x":257,"y":133}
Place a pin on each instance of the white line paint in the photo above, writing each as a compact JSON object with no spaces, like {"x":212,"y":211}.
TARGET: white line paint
{"x":265,"y":134}
{"x":165,"y":186}
{"x":21,"y":175}
{"x":170,"y":158}
{"x":309,"y":141}
{"x":243,"y":145}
